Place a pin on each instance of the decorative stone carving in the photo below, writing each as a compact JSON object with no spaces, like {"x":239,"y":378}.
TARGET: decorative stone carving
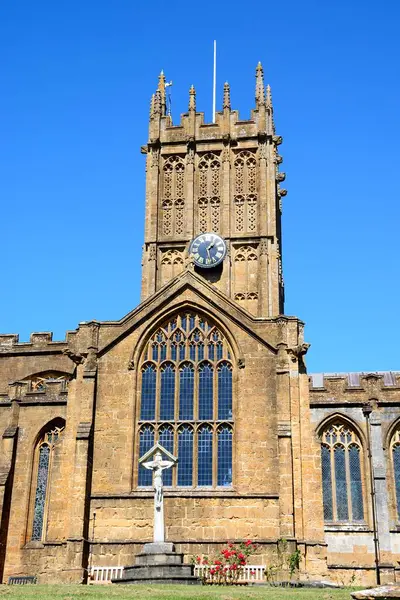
{"x":76,"y":357}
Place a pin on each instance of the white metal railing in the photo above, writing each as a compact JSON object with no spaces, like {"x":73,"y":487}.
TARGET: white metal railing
{"x":105,"y":574}
{"x":247,"y":573}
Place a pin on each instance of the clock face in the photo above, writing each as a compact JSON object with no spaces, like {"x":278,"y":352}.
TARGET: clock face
{"x":208,"y":250}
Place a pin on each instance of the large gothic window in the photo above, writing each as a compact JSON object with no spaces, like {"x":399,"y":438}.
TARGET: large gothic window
{"x":395,"y":449}
{"x":186,"y":402}
{"x":342,"y":483}
{"x":42,"y":466}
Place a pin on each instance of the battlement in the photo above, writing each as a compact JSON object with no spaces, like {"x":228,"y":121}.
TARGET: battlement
{"x":227,"y":127}
{"x":38,"y":340}
{"x":354,"y":387}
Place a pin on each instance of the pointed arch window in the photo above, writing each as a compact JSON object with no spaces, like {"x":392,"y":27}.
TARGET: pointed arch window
{"x":42,"y":469}
{"x":187,"y":393}
{"x":395,"y":451}
{"x":342,"y":478}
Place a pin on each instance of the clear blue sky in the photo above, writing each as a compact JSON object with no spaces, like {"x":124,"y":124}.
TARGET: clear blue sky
{"x":76,"y":80}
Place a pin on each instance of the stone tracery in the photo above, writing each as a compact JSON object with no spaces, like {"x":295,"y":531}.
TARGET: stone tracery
{"x":186,"y":395}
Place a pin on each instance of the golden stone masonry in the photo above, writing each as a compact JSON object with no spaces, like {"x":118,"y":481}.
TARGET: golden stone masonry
{"x":210,"y":366}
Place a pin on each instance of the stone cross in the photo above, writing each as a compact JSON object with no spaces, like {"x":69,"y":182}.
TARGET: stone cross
{"x":157,"y":465}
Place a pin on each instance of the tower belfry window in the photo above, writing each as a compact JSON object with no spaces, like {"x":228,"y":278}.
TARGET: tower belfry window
{"x":187,"y":401}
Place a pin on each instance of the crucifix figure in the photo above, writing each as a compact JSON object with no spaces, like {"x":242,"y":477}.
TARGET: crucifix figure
{"x":157,"y":465}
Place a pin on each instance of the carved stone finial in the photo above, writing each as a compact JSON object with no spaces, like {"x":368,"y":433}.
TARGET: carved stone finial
{"x":259,"y":85}
{"x":161,"y":89}
{"x":269,"y":97}
{"x":152,"y":105}
{"x":227,"y":96}
{"x":192,"y":99}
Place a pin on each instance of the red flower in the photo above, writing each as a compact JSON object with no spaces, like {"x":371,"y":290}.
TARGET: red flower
{"x":242,"y":562}
{"x":230,"y":545}
{"x":205,"y":561}
{"x":218,"y":568}
{"x":212,"y":571}
{"x":248,"y":543}
{"x":198,"y":559}
{"x":252,"y":572}
{"x":217,"y":562}
{"x":241,"y":556}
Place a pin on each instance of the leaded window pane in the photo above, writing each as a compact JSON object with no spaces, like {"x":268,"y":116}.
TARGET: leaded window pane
{"x":224,"y":391}
{"x":204,"y":456}
{"x":185,"y":455}
{"x":166,"y":439}
{"x":396,"y":467}
{"x":200,"y":351}
{"x":182,"y":351}
{"x":341,"y":484}
{"x":356,"y":484}
{"x":167,"y":394}
{"x":148,"y":404}
{"x":206,"y":392}
{"x":146,"y":437}
{"x":186,"y":389}
{"x":327,"y":483}
{"x":173,"y":352}
{"x":41,"y":489}
{"x":225,"y":456}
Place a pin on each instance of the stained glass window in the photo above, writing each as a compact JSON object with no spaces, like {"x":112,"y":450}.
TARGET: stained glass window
{"x":186,"y":375}
{"x":45,"y":448}
{"x":342,"y":484}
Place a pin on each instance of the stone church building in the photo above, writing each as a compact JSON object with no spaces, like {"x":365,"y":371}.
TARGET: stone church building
{"x":210,"y":366}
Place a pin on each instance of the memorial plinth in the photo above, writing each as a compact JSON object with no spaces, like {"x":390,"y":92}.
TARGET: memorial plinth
{"x":158,"y":562}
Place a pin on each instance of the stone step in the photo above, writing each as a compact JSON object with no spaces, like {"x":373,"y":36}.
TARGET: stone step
{"x":158,"y":570}
{"x":163,"y":581}
{"x":167,"y":558}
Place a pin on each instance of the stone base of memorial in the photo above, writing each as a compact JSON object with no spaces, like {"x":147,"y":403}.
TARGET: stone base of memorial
{"x":159,"y":563}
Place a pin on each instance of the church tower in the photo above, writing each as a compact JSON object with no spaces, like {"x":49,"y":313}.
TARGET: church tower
{"x":217,"y":178}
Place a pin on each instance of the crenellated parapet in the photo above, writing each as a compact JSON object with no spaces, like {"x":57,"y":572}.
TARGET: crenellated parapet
{"x":354,"y":388}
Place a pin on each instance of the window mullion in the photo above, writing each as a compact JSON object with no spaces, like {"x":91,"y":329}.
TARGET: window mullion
{"x":348,"y":483}
{"x":333,"y":475}
{"x":196,"y":394}
{"x":195,"y":475}
{"x":215,"y":456}
{"x":158,"y":393}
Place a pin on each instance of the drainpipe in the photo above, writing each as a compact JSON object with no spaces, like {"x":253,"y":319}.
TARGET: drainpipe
{"x":367,"y":410}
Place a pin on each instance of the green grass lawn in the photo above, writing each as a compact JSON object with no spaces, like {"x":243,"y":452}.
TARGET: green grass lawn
{"x":168,"y":592}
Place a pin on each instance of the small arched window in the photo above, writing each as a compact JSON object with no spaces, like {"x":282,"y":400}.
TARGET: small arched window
{"x":395,"y":448}
{"x":42,"y":467}
{"x":342,"y":481}
{"x":186,"y":392}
